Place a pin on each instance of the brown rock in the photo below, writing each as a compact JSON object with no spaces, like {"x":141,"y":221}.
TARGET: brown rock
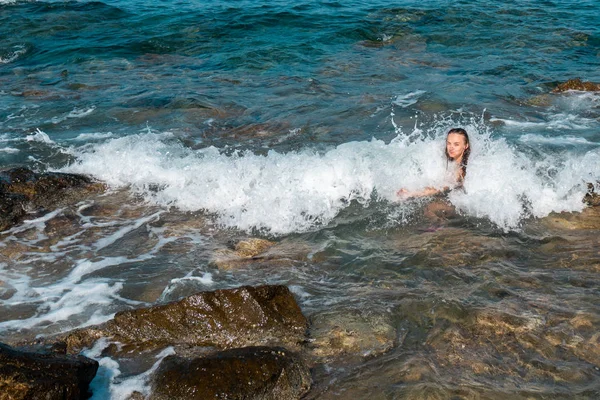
{"x":577,"y":84}
{"x":591,"y":198}
{"x":29,"y":375}
{"x":22,"y":190}
{"x":245,"y":251}
{"x":223,"y":318}
{"x":263,"y":373}
{"x":352,"y":332}
{"x":252,"y":247}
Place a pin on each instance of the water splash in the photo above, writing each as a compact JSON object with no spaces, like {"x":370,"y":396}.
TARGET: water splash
{"x":280,"y":193}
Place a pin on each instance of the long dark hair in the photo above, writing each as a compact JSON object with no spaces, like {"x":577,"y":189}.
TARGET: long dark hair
{"x":466,"y":153}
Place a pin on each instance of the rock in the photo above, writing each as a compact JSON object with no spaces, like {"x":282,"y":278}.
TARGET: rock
{"x":561,"y":223}
{"x":6,"y":290}
{"x":543,"y":100}
{"x":244,"y":251}
{"x":591,"y":198}
{"x":29,"y":375}
{"x":577,"y":84}
{"x":228,"y":318}
{"x":12,"y":209}
{"x":351,"y":333}
{"x":22,"y":191}
{"x":263,"y":373}
{"x":252,"y":247}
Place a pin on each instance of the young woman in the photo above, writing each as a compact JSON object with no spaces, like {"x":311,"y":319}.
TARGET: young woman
{"x":458,"y":150}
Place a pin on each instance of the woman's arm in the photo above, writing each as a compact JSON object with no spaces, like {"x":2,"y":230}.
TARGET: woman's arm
{"x":428,"y":191}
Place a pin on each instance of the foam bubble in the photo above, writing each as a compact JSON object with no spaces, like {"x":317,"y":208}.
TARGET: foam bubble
{"x":19,"y":49}
{"x":39,"y":136}
{"x":281,"y":193}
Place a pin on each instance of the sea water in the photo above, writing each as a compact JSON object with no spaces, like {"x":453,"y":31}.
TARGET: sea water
{"x":298,"y":122}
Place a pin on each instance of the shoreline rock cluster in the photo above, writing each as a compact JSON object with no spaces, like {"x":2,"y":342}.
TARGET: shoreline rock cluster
{"x":44,"y":375}
{"x":231,"y":343}
{"x":241,"y":343}
{"x":250,"y":342}
{"x":24,"y":192}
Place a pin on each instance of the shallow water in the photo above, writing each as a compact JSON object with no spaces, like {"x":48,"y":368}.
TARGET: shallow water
{"x":213,"y":123}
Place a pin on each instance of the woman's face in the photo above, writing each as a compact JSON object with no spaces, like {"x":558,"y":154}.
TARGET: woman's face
{"x":456,"y":144}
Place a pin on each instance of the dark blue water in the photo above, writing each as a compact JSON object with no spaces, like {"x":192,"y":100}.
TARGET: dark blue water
{"x":214,"y":121}
{"x":323,"y":66}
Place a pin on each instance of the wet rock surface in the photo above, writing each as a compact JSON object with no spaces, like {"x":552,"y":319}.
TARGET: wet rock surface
{"x":351,"y":333}
{"x":48,"y":376}
{"x":577,"y":84}
{"x":243,"y":253}
{"x":223,"y":318}
{"x":520,"y":348}
{"x":255,"y":252}
{"x":6,"y":290}
{"x":592,"y":198}
{"x":246,"y":373}
{"x":23,"y":191}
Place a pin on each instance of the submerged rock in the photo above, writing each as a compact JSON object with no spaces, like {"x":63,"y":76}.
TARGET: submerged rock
{"x":247,"y":373}
{"x":30,"y":375}
{"x":252,"y":247}
{"x":577,"y":84}
{"x":254,"y":252}
{"x":6,"y":290}
{"x":244,"y":251}
{"x":239,"y":317}
{"x":23,"y":191}
{"x":351,"y":333}
{"x":586,"y":220}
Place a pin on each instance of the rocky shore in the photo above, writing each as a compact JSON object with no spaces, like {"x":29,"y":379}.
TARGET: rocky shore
{"x":254,"y":342}
{"x":24,"y":192}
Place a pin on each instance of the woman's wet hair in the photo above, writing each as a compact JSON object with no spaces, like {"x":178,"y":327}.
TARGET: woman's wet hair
{"x":466,"y":153}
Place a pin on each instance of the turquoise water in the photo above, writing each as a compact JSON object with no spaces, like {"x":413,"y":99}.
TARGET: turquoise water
{"x":331,"y":68}
{"x":216,"y":121}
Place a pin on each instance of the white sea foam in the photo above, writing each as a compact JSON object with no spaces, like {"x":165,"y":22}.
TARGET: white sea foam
{"x":19,"y":49}
{"x":408,"y":99}
{"x":93,"y":136}
{"x":299,"y":291}
{"x":576,"y":101}
{"x":39,"y":136}
{"x":554,"y":122}
{"x":80,"y":297}
{"x":556,"y":140}
{"x":206,"y":280}
{"x":9,"y":150}
{"x":107,"y":241}
{"x":107,"y":383}
{"x":298,"y":191}
{"x":75,"y":113}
